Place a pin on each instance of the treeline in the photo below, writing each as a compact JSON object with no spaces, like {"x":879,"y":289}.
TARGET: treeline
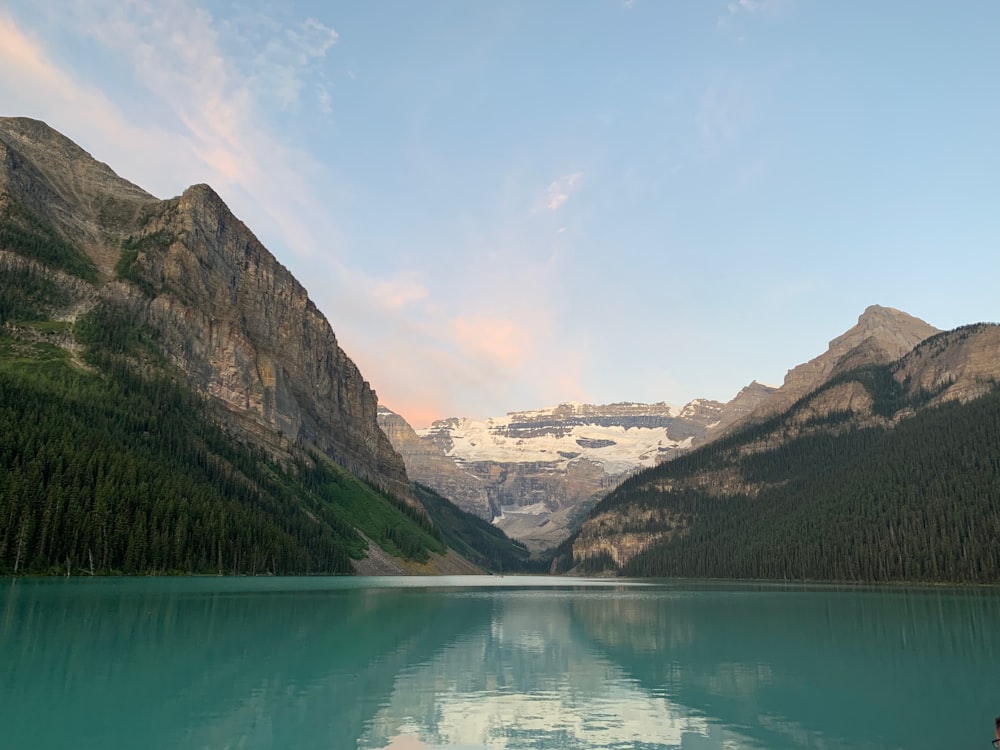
{"x":476,"y":539}
{"x":28,"y":234}
{"x":919,"y":502}
{"x":111,"y":471}
{"x":26,"y":294}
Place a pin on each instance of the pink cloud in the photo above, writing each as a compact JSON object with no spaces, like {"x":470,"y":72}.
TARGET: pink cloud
{"x":399,"y":292}
{"x":498,"y":342}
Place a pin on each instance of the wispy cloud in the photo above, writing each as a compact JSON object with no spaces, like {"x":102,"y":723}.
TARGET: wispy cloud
{"x":766,"y":7}
{"x":746,"y":6}
{"x":399,"y":292}
{"x":432,"y":347}
{"x":559,"y":191}
{"x":747,"y":9}
{"x":498,"y":343}
{"x":177,"y":55}
{"x":282,"y":57}
{"x":723,"y":111}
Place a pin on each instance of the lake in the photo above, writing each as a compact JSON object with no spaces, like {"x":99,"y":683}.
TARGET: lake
{"x":493,"y":662}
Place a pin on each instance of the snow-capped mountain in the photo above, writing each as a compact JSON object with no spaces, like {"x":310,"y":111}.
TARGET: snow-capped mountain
{"x":534,"y":473}
{"x":619,"y":437}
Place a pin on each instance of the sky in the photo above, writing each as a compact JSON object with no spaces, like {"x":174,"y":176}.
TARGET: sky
{"x":502,"y":205}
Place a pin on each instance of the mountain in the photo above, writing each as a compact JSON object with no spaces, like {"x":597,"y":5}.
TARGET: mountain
{"x":149,"y":317}
{"x":881,"y":335}
{"x":534,"y":474}
{"x":881,"y":468}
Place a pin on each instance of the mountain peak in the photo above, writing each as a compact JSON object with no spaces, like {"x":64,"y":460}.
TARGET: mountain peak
{"x":893,"y":331}
{"x":68,"y":166}
{"x":64,"y":187}
{"x":875,"y":317}
{"x":881,"y":335}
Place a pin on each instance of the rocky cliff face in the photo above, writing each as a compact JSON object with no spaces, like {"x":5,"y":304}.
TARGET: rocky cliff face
{"x":234,"y":320}
{"x":536,"y":473}
{"x":426,"y":463}
{"x":958,"y":365}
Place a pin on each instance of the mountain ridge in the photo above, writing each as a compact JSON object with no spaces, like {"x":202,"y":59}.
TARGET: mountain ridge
{"x":654,"y":516}
{"x":881,"y":335}
{"x":102,"y":283}
{"x":234,"y":319}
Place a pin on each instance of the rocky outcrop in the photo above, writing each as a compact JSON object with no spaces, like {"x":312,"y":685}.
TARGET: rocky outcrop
{"x":427,"y":464}
{"x":741,"y":406}
{"x":232,"y":318}
{"x":622,"y":536}
{"x":248,"y":335}
{"x":63,"y":185}
{"x":958,"y":365}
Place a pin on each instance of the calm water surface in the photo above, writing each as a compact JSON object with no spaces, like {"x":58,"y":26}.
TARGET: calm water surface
{"x":474,"y":663}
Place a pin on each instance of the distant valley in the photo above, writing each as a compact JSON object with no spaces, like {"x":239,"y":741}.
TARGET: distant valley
{"x":535,"y":474}
{"x":172,"y":402}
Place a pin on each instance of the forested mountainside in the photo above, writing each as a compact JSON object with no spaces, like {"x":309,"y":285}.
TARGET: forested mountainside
{"x":170,"y":398}
{"x":887,"y":472}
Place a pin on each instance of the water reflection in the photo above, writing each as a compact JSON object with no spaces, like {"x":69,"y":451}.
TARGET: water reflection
{"x":731,"y":667}
{"x":527,"y":679}
{"x":826,"y":668}
{"x":315,"y":663}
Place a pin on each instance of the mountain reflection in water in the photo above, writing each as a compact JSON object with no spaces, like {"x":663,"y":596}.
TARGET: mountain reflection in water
{"x":478,"y":664}
{"x":529,"y":677}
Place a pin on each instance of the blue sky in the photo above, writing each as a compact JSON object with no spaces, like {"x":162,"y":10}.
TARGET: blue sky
{"x":504,"y":205}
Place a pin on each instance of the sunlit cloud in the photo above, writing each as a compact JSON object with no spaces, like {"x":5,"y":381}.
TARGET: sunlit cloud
{"x":559,"y":191}
{"x":768,"y":7}
{"x":33,"y":84}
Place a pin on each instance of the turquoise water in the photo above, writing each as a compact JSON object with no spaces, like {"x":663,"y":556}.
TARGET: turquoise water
{"x":472,"y":663}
